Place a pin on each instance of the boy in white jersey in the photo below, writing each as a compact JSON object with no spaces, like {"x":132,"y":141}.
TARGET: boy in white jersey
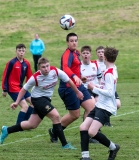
{"x":101,"y":64}
{"x":90,"y":72}
{"x":43,"y":83}
{"x":105,"y":107}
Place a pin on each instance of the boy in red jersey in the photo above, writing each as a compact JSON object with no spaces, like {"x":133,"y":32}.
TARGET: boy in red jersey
{"x":70,"y":64}
{"x":104,"y":108}
{"x":12,"y":81}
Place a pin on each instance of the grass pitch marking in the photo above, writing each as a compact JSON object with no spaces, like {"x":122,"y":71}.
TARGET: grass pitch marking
{"x":25,"y":139}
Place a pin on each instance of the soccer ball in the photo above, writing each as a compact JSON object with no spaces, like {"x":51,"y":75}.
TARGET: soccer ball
{"x":67,"y":22}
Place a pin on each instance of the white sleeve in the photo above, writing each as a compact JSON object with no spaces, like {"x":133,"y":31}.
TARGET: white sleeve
{"x":62,"y":75}
{"x":30,"y":83}
{"x":109,"y":86}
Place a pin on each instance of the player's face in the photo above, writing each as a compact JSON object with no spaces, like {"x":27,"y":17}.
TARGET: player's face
{"x":86,"y":55}
{"x":100,"y":54}
{"x":20,"y":53}
{"x":45,"y":68}
{"x":73,"y":43}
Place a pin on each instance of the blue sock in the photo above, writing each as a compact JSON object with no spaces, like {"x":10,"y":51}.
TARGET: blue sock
{"x":28,"y":113}
{"x":20,"y":117}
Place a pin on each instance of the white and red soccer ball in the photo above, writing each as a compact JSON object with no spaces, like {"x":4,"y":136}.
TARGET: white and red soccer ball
{"x":67,"y":22}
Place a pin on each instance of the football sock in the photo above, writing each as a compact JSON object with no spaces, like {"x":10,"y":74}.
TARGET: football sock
{"x":59,"y":132}
{"x":20,"y":117}
{"x":85,"y":154}
{"x":112,"y":146}
{"x":14,"y":128}
{"x":84,"y":140}
{"x":102,"y":139}
{"x":28,"y":113}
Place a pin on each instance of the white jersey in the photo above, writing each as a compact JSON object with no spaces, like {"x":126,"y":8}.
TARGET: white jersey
{"x":106,"y":91}
{"x":102,"y":67}
{"x":43,"y":85}
{"x":92,"y":72}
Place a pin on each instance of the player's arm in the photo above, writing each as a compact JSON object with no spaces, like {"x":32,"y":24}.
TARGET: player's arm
{"x":30,"y":83}
{"x":29,"y":72}
{"x":20,"y":95}
{"x":78,"y":93}
{"x":109,"y":90}
{"x":66,"y":62}
{"x":5,"y":77}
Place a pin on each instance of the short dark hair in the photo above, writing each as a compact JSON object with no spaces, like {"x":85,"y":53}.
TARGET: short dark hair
{"x":42,"y":60}
{"x":86,"y":48}
{"x":20,"y":46}
{"x":99,"y":47}
{"x":70,"y":35}
{"x":111,"y":54}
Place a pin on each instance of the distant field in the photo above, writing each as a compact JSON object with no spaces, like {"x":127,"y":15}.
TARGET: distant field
{"x":112,"y":23}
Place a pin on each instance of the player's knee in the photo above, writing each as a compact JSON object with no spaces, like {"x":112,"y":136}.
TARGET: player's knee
{"x":74,"y":117}
{"x":56,"y":118}
{"x":92,"y":133}
{"x":82,"y":127}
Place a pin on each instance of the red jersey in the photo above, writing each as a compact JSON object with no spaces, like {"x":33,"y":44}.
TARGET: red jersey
{"x":70,"y":64}
{"x":14,"y":75}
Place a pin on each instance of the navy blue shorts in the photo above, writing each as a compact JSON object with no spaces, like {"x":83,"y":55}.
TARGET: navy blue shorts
{"x":70,"y":99}
{"x":100,"y":115}
{"x":14,"y":95}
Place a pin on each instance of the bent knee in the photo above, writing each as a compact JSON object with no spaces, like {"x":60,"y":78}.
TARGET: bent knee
{"x":92,"y":133}
{"x":83,"y":127}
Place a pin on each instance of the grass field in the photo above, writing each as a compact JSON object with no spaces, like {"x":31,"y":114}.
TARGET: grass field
{"x":112,"y":23}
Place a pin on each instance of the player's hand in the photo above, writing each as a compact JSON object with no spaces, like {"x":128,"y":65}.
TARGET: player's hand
{"x":14,"y":105}
{"x":4,"y":94}
{"x":91,"y":86}
{"x":84,"y":79}
{"x":77,"y":80}
{"x":80,"y":95}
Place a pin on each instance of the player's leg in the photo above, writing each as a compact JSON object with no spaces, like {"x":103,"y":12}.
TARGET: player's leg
{"x":22,"y":114}
{"x":27,"y":97}
{"x":35,"y":62}
{"x":72,"y":104}
{"x":37,"y":58}
{"x":100,"y":118}
{"x":55,"y":117}
{"x":88,"y":102}
{"x":32,"y":123}
{"x":85,"y":138}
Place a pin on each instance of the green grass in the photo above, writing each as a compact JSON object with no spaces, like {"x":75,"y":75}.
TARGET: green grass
{"x":112,"y":23}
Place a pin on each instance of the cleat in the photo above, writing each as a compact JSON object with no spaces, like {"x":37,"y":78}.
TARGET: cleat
{"x":68,"y":146}
{"x":113,"y":153}
{"x":92,"y":140}
{"x":4,"y":134}
{"x":107,"y":124}
{"x":53,"y":137}
{"x":85,"y":158}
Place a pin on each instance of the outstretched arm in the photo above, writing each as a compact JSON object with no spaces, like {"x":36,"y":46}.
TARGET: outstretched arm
{"x":79,"y":94}
{"x":20,"y":95}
